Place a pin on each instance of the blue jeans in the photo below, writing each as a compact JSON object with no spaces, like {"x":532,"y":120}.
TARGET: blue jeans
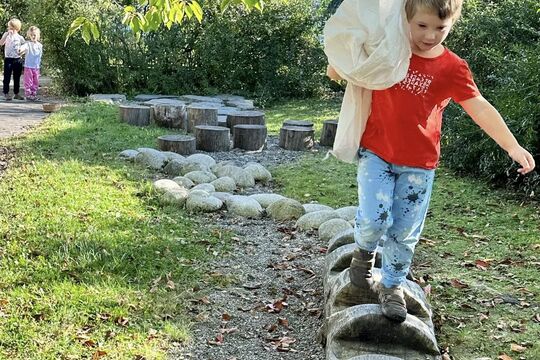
{"x":393,"y":202}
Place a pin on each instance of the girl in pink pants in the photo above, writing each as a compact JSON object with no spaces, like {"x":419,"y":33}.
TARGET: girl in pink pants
{"x":32,"y":62}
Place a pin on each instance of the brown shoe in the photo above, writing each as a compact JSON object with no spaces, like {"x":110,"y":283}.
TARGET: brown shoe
{"x":361,"y":266}
{"x":392,"y":302}
{"x":18,"y":97}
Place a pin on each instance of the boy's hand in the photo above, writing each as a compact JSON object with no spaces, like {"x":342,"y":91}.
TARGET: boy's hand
{"x":523,"y":158}
{"x":332,"y":74}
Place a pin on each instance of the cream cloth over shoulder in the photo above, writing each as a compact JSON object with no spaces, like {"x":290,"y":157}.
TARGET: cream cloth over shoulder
{"x":367,"y":43}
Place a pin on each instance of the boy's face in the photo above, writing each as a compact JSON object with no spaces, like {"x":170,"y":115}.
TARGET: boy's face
{"x":428,"y":30}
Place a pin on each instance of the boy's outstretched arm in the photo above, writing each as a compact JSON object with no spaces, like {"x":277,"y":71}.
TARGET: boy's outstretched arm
{"x":489,"y":119}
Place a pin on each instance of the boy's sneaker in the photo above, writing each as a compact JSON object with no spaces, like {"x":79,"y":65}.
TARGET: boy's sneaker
{"x":30,"y":98}
{"x":392,"y":303}
{"x":18,"y":97}
{"x":7,"y":97}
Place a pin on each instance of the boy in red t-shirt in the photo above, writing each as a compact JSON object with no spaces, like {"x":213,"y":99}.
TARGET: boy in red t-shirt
{"x":400,"y":149}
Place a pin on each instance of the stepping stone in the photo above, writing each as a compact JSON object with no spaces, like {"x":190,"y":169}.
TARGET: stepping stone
{"x":201,"y":114}
{"x":108,"y":98}
{"x":296,"y":138}
{"x":245,"y":118}
{"x":328,"y":134}
{"x":137,"y":115}
{"x":181,"y":144}
{"x":330,"y":228}
{"x":300,"y":123}
{"x":212,"y":138}
{"x":147,"y":97}
{"x":249,"y":137}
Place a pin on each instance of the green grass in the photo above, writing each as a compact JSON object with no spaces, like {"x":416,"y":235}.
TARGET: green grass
{"x":87,"y":252}
{"x":468,"y":221}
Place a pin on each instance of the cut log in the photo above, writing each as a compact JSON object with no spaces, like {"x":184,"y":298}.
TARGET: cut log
{"x":198,"y":114}
{"x":328,"y":133}
{"x":170,"y":114}
{"x":296,"y":138}
{"x":222,"y":120}
{"x":181,"y":144}
{"x":249,"y":137}
{"x":301,"y":123}
{"x":212,"y":138}
{"x":137,"y":115}
{"x":245,"y":117}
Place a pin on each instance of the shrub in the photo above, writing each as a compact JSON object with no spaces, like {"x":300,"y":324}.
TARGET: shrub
{"x":500,"y":42}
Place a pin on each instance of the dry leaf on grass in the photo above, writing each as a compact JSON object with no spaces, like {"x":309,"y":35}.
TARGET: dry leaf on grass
{"x":458,"y":284}
{"x":517,"y":348}
{"x":98,"y":355}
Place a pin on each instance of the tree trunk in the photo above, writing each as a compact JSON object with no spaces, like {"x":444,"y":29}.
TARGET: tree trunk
{"x":198,"y":114}
{"x":137,"y":115}
{"x":328,"y":133}
{"x":296,"y":138}
{"x":170,"y":115}
{"x":301,"y":123}
{"x":245,"y":117}
{"x":249,"y":137}
{"x":212,"y":138}
{"x":181,"y":144}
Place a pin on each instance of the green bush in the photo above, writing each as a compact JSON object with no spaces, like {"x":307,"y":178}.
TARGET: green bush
{"x":268,"y":55}
{"x":500,"y":42}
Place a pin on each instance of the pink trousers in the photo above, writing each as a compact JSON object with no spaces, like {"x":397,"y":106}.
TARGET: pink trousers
{"x":31,"y":81}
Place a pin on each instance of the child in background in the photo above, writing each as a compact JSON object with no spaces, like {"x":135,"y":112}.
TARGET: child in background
{"x":399,"y":150}
{"x":12,"y":60}
{"x":33,"y":51}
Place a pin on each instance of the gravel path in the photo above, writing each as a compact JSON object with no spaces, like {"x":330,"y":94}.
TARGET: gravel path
{"x":272,"y":305}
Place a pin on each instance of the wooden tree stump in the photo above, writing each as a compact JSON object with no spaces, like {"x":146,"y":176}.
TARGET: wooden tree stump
{"x":300,"y":123}
{"x":245,"y":117}
{"x":296,"y":138}
{"x":181,"y":144}
{"x":170,"y":114}
{"x":212,"y":138}
{"x":328,"y":134}
{"x":198,"y":114}
{"x":137,"y":115}
{"x":249,"y":137}
{"x":222,"y":120}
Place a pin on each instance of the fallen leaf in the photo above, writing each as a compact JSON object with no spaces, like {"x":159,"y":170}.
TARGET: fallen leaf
{"x":427,"y":290}
{"x":458,"y":284}
{"x":271,"y":327}
{"x":517,"y":348}
{"x":218,"y":340}
{"x":204,"y":300}
{"x":306,"y":270}
{"x":536,"y":318}
{"x":482,"y":264}
{"x":122,"y":321}
{"x":89,"y":343}
{"x":152,"y":334}
{"x":504,"y":357}
{"x":98,"y":354}
{"x":226,"y":317}
{"x":283,"y":322}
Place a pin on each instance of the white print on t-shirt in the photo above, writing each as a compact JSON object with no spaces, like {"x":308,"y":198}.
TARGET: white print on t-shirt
{"x":416,"y":83}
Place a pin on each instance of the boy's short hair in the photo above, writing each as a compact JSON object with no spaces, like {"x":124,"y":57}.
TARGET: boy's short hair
{"x":443,"y":8}
{"x":33,"y":30}
{"x":15,"y":23}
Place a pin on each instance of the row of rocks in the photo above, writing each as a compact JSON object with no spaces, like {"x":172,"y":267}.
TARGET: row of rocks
{"x":200,"y":184}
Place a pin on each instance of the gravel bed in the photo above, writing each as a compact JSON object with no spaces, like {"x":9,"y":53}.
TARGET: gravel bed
{"x":272,"y":307}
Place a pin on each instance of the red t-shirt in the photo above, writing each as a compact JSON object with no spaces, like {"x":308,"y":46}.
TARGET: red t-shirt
{"x":404,"y":127}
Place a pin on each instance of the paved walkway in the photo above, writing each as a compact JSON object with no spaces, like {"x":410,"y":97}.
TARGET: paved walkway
{"x":18,"y":116}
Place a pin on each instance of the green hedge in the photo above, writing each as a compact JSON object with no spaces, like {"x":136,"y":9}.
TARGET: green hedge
{"x":500,"y":40}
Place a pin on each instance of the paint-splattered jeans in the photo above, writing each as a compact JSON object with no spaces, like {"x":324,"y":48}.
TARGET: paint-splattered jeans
{"x":393,"y":202}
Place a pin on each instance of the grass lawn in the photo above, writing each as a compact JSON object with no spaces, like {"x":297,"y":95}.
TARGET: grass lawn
{"x":91,"y":264}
